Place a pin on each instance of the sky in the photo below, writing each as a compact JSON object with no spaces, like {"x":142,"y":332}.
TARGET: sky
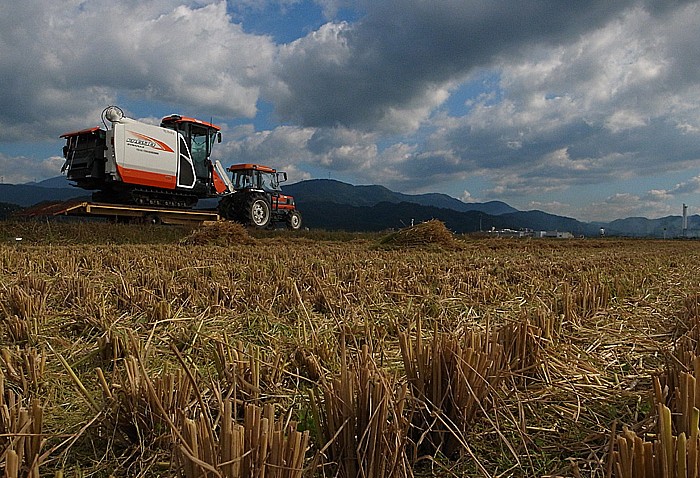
{"x":584,"y":109}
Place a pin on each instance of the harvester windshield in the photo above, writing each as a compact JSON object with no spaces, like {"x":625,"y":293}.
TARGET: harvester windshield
{"x":200,"y":148}
{"x":199,"y":136}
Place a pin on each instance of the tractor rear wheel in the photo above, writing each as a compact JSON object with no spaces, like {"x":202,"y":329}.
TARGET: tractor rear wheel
{"x":258,"y":211}
{"x":294,"y":220}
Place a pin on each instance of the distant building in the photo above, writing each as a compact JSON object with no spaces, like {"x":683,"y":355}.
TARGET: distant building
{"x":530,"y":233}
{"x":555,"y":234}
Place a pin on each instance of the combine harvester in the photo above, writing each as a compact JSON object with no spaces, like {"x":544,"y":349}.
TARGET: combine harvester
{"x":157,"y":174}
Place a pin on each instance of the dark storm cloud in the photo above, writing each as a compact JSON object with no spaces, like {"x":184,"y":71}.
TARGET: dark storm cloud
{"x":401,"y":51}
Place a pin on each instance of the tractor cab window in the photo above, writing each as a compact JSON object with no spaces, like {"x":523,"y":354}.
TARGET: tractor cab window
{"x":243,"y":179}
{"x":269,"y":182}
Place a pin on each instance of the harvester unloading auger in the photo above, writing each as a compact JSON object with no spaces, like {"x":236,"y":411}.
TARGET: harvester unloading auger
{"x":169,"y":166}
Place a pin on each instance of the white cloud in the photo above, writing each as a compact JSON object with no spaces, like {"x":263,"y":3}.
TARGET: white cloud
{"x":621,"y":120}
{"x":20,"y":169}
{"x":623,"y":205}
{"x":280,"y":145}
{"x":467,"y":197}
{"x":65,"y":62}
{"x":692,"y":186}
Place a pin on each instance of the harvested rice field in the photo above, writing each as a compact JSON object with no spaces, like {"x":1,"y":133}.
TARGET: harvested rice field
{"x":160,"y":351}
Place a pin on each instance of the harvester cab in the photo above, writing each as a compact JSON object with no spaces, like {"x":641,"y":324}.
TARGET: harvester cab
{"x":199,"y":137}
{"x":257,"y":199}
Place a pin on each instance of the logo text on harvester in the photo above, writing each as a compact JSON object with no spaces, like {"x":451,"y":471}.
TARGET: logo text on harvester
{"x":143,"y":141}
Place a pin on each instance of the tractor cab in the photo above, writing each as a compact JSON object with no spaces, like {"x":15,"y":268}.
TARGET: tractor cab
{"x":254,"y":176}
{"x":257,"y":199}
{"x":199,"y":136}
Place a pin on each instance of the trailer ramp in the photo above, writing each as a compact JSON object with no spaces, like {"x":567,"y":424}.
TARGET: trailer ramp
{"x":122,"y":212}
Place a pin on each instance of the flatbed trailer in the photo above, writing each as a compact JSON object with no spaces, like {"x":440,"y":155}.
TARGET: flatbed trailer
{"x":123,"y":212}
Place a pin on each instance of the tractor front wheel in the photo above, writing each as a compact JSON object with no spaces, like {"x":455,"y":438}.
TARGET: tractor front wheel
{"x":294,"y":220}
{"x":258,"y":211}
{"x":227,"y":208}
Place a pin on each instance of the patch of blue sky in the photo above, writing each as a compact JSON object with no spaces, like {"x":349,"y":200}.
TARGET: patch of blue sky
{"x":637,"y":186}
{"x":264,"y":117}
{"x":284,"y":22}
{"x":348,"y":15}
{"x":33,"y":149}
{"x":633,"y":188}
{"x":641,"y":185}
{"x":481,"y":87}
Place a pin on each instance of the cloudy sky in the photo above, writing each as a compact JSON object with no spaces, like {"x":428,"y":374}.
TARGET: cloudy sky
{"x":586,"y":109}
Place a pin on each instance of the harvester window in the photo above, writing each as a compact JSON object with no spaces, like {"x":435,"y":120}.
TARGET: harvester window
{"x":199,"y":148}
{"x":199,"y":139}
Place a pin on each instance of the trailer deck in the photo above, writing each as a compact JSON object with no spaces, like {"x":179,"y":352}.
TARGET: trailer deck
{"x":123,"y":212}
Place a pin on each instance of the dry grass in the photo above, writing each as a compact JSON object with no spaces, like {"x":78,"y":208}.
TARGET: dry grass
{"x":262,"y":446}
{"x":531,"y":353}
{"x":21,"y":437}
{"x":362,"y":419}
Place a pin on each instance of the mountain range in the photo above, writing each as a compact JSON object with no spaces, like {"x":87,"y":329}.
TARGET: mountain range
{"x":334,"y":205}
{"x":328,"y":190}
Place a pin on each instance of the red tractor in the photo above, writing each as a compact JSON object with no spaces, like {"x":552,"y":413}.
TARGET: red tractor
{"x":257,"y":199}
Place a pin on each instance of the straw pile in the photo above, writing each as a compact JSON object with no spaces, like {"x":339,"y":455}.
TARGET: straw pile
{"x":425,"y":234}
{"x":221,"y":233}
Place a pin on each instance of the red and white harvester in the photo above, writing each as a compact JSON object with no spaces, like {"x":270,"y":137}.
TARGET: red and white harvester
{"x":169,"y":166}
